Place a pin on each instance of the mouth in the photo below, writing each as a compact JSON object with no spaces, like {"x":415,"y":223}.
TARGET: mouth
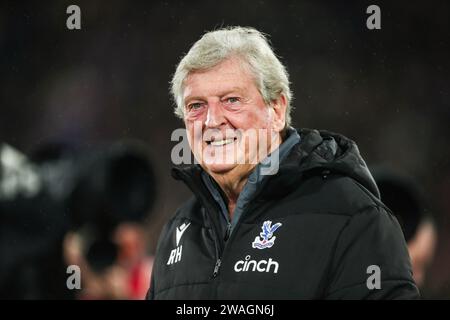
{"x":221,"y":142}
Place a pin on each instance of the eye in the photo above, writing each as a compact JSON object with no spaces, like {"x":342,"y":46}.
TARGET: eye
{"x":194,"y":106}
{"x":232,"y":99}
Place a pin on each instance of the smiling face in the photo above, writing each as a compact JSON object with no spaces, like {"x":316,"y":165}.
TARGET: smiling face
{"x":230,"y":127}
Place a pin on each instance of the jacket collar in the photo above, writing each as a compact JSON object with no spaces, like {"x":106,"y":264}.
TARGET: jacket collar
{"x":318,"y":153}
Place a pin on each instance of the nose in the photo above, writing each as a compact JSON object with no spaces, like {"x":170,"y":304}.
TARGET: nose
{"x":215,"y":116}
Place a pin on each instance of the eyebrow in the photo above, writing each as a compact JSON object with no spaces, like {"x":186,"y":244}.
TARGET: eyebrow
{"x":221,"y":94}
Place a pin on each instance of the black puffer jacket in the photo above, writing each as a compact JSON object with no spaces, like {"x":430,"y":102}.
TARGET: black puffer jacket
{"x":315,"y":230}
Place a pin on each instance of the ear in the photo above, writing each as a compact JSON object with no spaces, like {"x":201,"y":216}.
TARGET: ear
{"x":279,"y":113}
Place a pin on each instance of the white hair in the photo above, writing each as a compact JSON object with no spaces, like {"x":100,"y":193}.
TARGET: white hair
{"x":248,"y":44}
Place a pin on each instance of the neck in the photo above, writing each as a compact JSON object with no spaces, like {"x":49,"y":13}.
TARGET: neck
{"x":232,"y":183}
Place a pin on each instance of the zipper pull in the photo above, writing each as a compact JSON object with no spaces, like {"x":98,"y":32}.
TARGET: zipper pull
{"x":228,"y":232}
{"x":216,"y":268}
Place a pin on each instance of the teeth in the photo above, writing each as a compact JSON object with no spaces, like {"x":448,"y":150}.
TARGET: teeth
{"x":221,"y":142}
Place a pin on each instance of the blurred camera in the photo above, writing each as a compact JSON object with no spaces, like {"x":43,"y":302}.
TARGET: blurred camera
{"x":60,"y":189}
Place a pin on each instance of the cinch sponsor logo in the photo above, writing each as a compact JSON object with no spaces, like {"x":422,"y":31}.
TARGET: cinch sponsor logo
{"x":256,"y":266}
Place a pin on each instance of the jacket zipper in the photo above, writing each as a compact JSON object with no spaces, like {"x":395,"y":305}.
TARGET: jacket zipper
{"x":227,"y":239}
{"x":217,"y":267}
{"x":228,"y":232}
{"x":219,"y":257}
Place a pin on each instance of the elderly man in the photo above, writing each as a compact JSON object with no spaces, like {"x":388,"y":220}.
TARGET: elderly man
{"x":311,"y":227}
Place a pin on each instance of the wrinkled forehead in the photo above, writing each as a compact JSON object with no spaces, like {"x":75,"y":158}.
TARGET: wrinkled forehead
{"x":229,"y":75}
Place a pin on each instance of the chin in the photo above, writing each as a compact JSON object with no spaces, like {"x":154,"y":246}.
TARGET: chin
{"x":219,"y":168}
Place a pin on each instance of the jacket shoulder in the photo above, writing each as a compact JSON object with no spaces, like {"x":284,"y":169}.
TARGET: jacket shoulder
{"x":334,"y":194}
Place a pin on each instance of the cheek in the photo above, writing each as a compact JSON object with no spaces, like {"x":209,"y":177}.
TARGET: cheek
{"x":194,"y":131}
{"x":258,"y":118}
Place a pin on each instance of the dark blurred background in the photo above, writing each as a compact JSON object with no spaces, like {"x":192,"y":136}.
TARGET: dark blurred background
{"x":387,"y":89}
